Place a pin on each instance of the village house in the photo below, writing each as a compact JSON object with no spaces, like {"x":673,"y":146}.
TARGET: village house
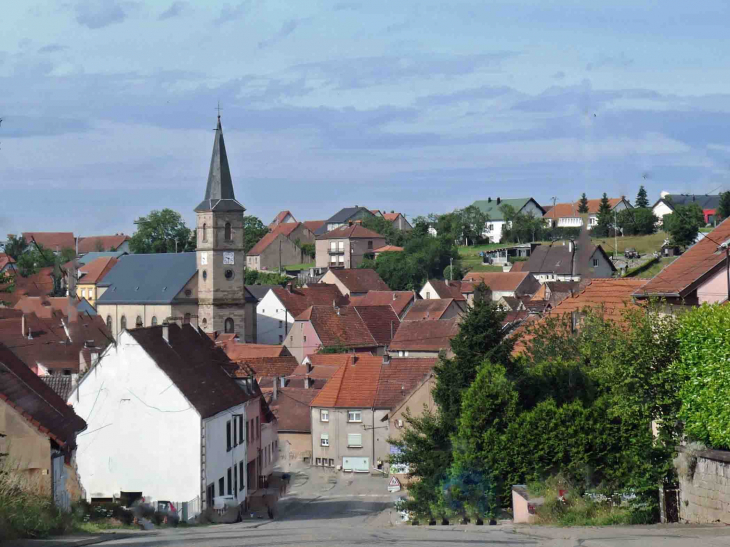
{"x":165,"y":389}
{"x":118,"y":243}
{"x":424,"y":338}
{"x":53,"y":241}
{"x":398,"y":220}
{"x":38,"y":284}
{"x":90,"y":275}
{"x":503,"y":255}
{"x":38,"y":431}
{"x":569,"y":262}
{"x":367,"y":329}
{"x":346,"y":246}
{"x":400,"y":301}
{"x":282,"y":218}
{"x":667,"y":202}
{"x":698,"y":276}
{"x":280,"y":306}
{"x":279,"y":248}
{"x":7,"y":264}
{"x":435,"y":310}
{"x":566,"y":215}
{"x":355,"y":282}
{"x":317,"y":368}
{"x":343,"y":217}
{"x":493,"y":208}
{"x":461,"y":291}
{"x":350,"y":428}
{"x":290,"y":405}
{"x":505,"y":283}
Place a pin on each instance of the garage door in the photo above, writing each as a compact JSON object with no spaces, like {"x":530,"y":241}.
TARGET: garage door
{"x":359,"y":465}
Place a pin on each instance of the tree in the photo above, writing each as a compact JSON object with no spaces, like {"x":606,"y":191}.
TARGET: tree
{"x":308,"y":249}
{"x":684,"y":223}
{"x":253,"y":231}
{"x":642,"y":201}
{"x":603,"y":226}
{"x":32,"y":260}
{"x":99,"y":245}
{"x":16,"y":246}
{"x":382,"y":226}
{"x":723,"y":211}
{"x":473,"y":223}
{"x":637,"y":221}
{"x":583,"y":204}
{"x":521,"y":227}
{"x":159,"y":232}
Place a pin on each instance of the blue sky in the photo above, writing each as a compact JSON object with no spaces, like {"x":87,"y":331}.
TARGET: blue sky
{"x":415,"y":106}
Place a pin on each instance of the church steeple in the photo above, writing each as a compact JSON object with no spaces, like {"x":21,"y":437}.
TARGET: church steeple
{"x":219,"y":194}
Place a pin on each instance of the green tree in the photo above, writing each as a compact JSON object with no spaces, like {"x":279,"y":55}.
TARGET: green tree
{"x":642,"y":201}
{"x":521,"y":227}
{"x":723,"y":211}
{"x":253,"y":231}
{"x":583,"y":204}
{"x":16,"y":246}
{"x":385,"y":228}
{"x":160,"y":231}
{"x":473,"y":223}
{"x":605,"y":220}
{"x":684,"y":223}
{"x":637,"y":221}
{"x":308,"y":249}
{"x":31,"y":261}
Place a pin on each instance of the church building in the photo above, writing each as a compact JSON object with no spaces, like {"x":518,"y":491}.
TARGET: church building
{"x":205,"y":288}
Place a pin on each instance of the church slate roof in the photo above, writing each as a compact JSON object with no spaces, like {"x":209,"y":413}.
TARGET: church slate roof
{"x":219,"y":194}
{"x":148,"y":278}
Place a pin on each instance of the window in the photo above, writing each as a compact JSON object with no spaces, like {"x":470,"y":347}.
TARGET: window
{"x":318,"y":461}
{"x":230,"y":274}
{"x":109,"y":322}
{"x":258,"y":428}
{"x":354,"y":416}
{"x":210,"y":492}
{"x":281,"y":324}
{"x":235,"y":477}
{"x":428,"y":295}
{"x":240,"y":475}
{"x":324,"y":439}
{"x":354,"y":440}
{"x":341,"y":259}
{"x":138,"y":322}
{"x":205,"y":232}
{"x":228,"y":435}
{"x":291,"y":339}
{"x":240,"y":429}
{"x":83,"y":293}
{"x":235,"y":433}
{"x":227,"y":231}
{"x":186,"y":319}
{"x":341,"y":245}
{"x":221,"y":485}
{"x":205,"y":275}
{"x":246,"y":431}
{"x":305,"y":339}
{"x":370,"y":244}
{"x":595,"y":262}
{"x":332,"y":462}
{"x":154,"y":321}
{"x":333,"y":245}
{"x":281,"y":339}
{"x":205,"y":322}
{"x":324,"y":415}
{"x":123,"y":323}
{"x":230,"y":484}
{"x":228,"y":326}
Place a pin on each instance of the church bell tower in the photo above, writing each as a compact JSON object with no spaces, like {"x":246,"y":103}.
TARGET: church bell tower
{"x":220,"y":254}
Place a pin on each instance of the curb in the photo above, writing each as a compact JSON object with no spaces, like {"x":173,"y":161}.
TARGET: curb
{"x":58,"y":541}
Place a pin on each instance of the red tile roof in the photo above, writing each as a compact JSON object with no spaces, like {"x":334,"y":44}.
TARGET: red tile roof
{"x":388,"y":249}
{"x":330,"y":359}
{"x":451,"y":289}
{"x":291,"y":409}
{"x":280,"y":218}
{"x":567,"y":210}
{"x":241,"y":352}
{"x":52,"y":240}
{"x":391,"y":216}
{"x":425,"y":335}
{"x":314,"y":225}
{"x":269,"y":367}
{"x":381,"y":321}
{"x":343,"y":327}
{"x":498,"y":281}
{"x":195,"y":365}
{"x":91,"y":244}
{"x":22,"y":389}
{"x":360,"y":280}
{"x":398,"y":378}
{"x":683,"y":275}
{"x":6,"y":259}
{"x":94,"y":271}
{"x":519,"y":266}
{"x":430,"y":309}
{"x":352,"y":386}
{"x":39,"y":284}
{"x":354,"y":231}
{"x":398,"y":300}
{"x":613,"y":296}
{"x":46,"y":306}
{"x":299,"y":299}
{"x":265,"y":241}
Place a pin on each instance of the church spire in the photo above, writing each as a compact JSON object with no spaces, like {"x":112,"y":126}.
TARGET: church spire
{"x":219,"y":191}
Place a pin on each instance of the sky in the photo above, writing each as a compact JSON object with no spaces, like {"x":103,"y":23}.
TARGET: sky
{"x":416,"y":106}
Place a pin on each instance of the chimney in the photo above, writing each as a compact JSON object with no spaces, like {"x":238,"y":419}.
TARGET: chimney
{"x":166,"y":331}
{"x":349,"y":223}
{"x":499,"y":200}
{"x":275,"y":394}
{"x":386,"y":359}
{"x":489,"y":200}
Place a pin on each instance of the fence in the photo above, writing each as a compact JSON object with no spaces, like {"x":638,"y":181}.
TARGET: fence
{"x":191,"y":509}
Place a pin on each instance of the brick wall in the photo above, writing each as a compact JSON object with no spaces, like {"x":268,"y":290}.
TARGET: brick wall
{"x":704,"y":484}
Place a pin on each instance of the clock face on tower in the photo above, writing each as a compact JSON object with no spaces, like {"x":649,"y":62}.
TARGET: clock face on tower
{"x":228,"y":258}
{"x":203,"y":259}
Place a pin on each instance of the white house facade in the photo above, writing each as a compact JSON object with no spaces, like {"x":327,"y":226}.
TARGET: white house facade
{"x":274,"y":320}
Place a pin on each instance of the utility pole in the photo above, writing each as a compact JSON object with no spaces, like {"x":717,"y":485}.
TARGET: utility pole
{"x":615,"y":235}
{"x":451,"y":269}
{"x":280,"y":257}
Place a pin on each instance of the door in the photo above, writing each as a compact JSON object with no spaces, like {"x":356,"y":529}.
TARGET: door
{"x":358,"y":465}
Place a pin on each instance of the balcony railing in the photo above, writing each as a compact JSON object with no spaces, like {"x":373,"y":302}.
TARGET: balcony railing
{"x":336,"y":251}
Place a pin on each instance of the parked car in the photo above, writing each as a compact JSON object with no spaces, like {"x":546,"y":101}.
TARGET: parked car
{"x":630,"y":252}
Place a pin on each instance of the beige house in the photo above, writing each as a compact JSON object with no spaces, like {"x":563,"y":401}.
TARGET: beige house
{"x":357,"y":282}
{"x":346,"y":246}
{"x":280,"y":248}
{"x":398,"y":220}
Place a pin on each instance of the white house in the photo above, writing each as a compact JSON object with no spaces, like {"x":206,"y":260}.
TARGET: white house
{"x":566,"y":215}
{"x":276,"y":311}
{"x":164,"y":419}
{"x":493,"y":208}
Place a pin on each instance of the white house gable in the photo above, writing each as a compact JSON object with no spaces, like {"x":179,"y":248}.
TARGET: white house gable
{"x":274,"y":320}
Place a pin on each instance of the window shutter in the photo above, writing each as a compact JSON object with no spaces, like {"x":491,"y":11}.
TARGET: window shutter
{"x":325,"y":436}
{"x":354,"y":439}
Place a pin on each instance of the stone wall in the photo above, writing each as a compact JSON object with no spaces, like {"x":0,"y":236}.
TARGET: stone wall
{"x":704,"y":486}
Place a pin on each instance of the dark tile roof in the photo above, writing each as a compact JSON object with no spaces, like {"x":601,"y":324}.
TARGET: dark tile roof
{"x":494,"y":208}
{"x":512,"y":301}
{"x":430,"y":309}
{"x":705,"y":201}
{"x":563,"y":286}
{"x":195,"y":365}
{"x":451,"y":289}
{"x":343,"y":215}
{"x":88,"y":257}
{"x":339,"y":327}
{"x":399,"y":377}
{"x":148,"y":278}
{"x":219,"y":195}
{"x":299,"y":299}
{"x":291,"y":409}
{"x":91,"y":243}
{"x":360,"y":280}
{"x":315,"y":225}
{"x":557,"y":259}
{"x":425,"y":335}
{"x":354,"y":231}
{"x":38,"y":403}
{"x":684,"y":274}
{"x":381,"y":321}
{"x":259,"y":291}
{"x":61,"y":384}
{"x":398,"y":300}
{"x":499,"y":281}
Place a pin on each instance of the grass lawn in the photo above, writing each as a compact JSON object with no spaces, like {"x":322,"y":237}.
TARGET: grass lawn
{"x":643,"y":244}
{"x":300,"y":266}
{"x":656,"y":268}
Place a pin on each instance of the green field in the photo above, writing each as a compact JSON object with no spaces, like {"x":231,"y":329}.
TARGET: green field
{"x":656,"y":268}
{"x":300,"y":266}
